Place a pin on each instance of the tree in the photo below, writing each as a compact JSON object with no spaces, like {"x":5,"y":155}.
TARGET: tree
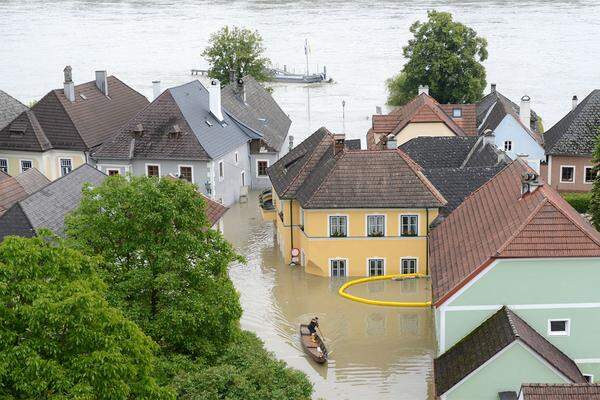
{"x":445,"y":55}
{"x":166,"y":269}
{"x":595,"y":202}
{"x":59,"y":337}
{"x":236,"y":50}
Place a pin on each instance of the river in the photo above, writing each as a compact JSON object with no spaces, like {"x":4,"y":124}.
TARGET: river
{"x":547,"y":49}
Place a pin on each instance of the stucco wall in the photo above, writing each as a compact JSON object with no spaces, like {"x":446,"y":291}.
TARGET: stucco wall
{"x":553,"y":173}
{"x":417,"y":129}
{"x":261,"y":182}
{"x":48,"y":162}
{"x":522,"y":142}
{"x":228,"y":189}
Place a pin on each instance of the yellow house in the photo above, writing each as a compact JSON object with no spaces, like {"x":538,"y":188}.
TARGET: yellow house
{"x":422,"y":116}
{"x":342,"y":212}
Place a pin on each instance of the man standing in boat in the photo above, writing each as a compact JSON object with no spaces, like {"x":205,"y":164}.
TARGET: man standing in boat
{"x":312,"y":328}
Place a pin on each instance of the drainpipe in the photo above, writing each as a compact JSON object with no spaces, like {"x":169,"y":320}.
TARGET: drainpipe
{"x":291,"y":231}
{"x":427,"y":242}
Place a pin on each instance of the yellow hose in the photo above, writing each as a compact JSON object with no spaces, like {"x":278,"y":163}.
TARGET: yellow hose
{"x":342,"y":292}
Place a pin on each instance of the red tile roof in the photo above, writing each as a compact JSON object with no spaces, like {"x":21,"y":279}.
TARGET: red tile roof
{"x":572,"y":391}
{"x":214,"y":211}
{"x":13,"y":189}
{"x":496,"y":221}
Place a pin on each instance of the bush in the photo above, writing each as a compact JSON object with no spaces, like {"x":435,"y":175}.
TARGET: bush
{"x":579,"y":201}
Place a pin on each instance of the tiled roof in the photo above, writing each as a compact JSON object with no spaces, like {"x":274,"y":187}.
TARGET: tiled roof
{"x":497,"y":221}
{"x":488,"y":101}
{"x":201,"y":136}
{"x":484,"y":342}
{"x":9,"y":108}
{"x":24,"y":133}
{"x":498,"y":111}
{"x":47,"y":207}
{"x":576,"y":133}
{"x":468,"y":119}
{"x":214,"y":210}
{"x":352,"y":178}
{"x":13,"y":189}
{"x":259,"y":111}
{"x":352,"y":144}
{"x":573,"y":391}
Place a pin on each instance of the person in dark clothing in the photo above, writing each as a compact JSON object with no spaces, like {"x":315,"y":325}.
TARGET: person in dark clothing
{"x":312,"y":328}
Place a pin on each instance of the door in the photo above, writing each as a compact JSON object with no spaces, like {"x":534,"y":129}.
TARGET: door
{"x":338,"y":268}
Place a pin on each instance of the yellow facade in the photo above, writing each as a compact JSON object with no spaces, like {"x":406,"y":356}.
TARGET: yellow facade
{"x":308,"y":231}
{"x":48,"y":162}
{"x":418,"y":129}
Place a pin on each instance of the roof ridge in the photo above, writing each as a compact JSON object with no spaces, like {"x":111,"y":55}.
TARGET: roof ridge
{"x":326,"y":177}
{"x":60,"y":178}
{"x":509,"y":315}
{"x":521,"y":227}
{"x":38,"y":131}
{"x":418,"y":171}
{"x":67,"y":113}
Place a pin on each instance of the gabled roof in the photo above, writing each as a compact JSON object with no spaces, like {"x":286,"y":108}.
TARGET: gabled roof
{"x":47,"y":207}
{"x":498,"y":111}
{"x":13,"y":189}
{"x":488,"y":339}
{"x":9,"y":108}
{"x":186,"y":108}
{"x":497,"y":221}
{"x":24,"y":133}
{"x":319,"y":178}
{"x":257,"y":110}
{"x":484,"y":106}
{"x":572,"y":391}
{"x":576,"y":133}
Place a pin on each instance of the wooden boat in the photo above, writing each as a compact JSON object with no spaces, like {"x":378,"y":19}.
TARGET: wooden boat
{"x":316,"y":350}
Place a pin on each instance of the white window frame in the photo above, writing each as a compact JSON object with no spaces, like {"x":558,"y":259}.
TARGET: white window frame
{"x":329,"y":226}
{"x":567,"y":332}
{"x":6,"y":161}
{"x":585,"y":173}
{"x":369,"y":259}
{"x":60,"y":160}
{"x":108,"y":170}
{"x":574,"y":174}
{"x":510,"y":144}
{"x":367,"y":224}
{"x":410,"y":258}
{"x":400,"y":224}
{"x":338,"y":259}
{"x":454,"y":112}
{"x":186,"y":166}
{"x":268,"y":164}
{"x":236,"y":158}
{"x":221,"y":171}
{"x":21,"y":164}
{"x":589,"y":377}
{"x":243,"y":176}
{"x":152,"y":165}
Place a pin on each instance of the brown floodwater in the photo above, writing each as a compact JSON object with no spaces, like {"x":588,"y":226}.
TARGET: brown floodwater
{"x":375,"y":352}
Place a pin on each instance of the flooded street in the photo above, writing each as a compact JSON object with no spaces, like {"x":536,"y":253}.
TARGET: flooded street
{"x":375,"y":352}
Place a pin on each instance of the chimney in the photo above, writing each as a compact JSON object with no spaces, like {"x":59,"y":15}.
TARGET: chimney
{"x":156,"y":89}
{"x":102,"y":82}
{"x":574,"y":102}
{"x":424,"y":89}
{"x":391,"y":142}
{"x":529,"y":182}
{"x":489,"y":137}
{"x":493,"y":88}
{"x":241,"y":89}
{"x":291,"y":142}
{"x":214,"y":99}
{"x":338,"y":143}
{"x":378,"y":110}
{"x":525,"y":111}
{"x":69,"y":85}
{"x":232,"y":76}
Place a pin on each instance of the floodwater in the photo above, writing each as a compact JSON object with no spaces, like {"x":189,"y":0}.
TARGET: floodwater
{"x":375,"y":352}
{"x":548,"y":49}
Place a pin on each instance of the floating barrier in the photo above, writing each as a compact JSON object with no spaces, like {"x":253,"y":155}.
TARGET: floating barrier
{"x":342,"y":291}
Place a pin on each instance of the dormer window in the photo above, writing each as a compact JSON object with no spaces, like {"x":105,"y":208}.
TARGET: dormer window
{"x":457,"y":113}
{"x":175,"y":132}
{"x":138,"y":131}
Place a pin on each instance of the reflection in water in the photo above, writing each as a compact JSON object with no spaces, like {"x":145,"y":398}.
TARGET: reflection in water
{"x":376,"y":352}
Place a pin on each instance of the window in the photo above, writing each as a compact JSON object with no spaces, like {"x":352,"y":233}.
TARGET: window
{"x":508,"y":145}
{"x":409,"y":225}
{"x":152,"y":170}
{"x":456,"y":112}
{"x":567,"y":174}
{"x":589,"y":175}
{"x":375,"y":225}
{"x":338,"y":268}
{"x":589,"y":378}
{"x":112,"y":172}
{"x":236,"y":158}
{"x":338,"y":226}
{"x":261,"y":167}
{"x":408,"y":265}
{"x":376,"y":267}
{"x":559,"y":327}
{"x":243,"y":178}
{"x":185,"y":173}
{"x":26,"y":164}
{"x":221,"y":171}
{"x":66,"y":166}
{"x":4,"y":165}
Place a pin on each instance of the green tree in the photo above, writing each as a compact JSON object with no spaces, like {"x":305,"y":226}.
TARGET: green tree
{"x":59,"y":337}
{"x":445,"y":55}
{"x":595,"y":202}
{"x":166,"y":269}
{"x":237,"y":50}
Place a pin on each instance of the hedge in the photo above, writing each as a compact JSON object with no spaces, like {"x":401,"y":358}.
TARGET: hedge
{"x":579,"y":201}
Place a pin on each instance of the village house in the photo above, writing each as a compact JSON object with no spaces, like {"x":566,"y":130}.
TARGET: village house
{"x":570,"y":144}
{"x":15,"y":188}
{"x":517,"y":129}
{"x":516,"y":242}
{"x":342,"y":212}
{"x":422,"y":116}
{"x":57,"y":134}
{"x":10,"y":108}
{"x":253,"y":107}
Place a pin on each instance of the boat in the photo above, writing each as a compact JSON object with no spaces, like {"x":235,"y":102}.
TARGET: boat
{"x":265,"y":200}
{"x":316,"y":350}
{"x":281,"y":75}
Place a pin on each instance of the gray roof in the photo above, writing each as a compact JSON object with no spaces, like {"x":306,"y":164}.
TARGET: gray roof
{"x":576,"y":133}
{"x":9,"y":108}
{"x":257,"y":110}
{"x":491,"y":99}
{"x":48,"y":207}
